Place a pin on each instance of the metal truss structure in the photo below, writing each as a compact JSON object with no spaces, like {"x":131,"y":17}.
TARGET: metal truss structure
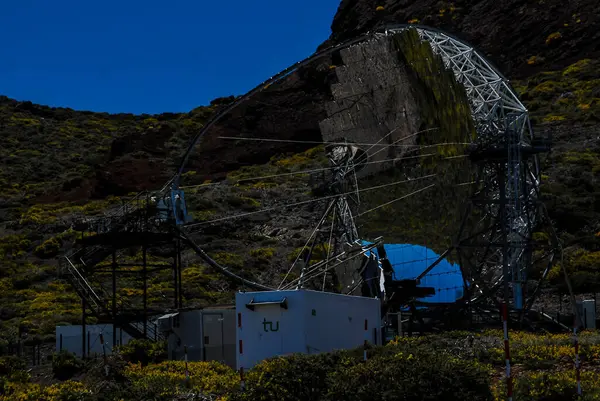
{"x":337,"y":229}
{"x":506,"y":192}
{"x":102,"y":263}
{"x":508,"y":182}
{"x":509,"y":172}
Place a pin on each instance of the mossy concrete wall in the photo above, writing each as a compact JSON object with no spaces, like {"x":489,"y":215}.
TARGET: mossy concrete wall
{"x":373,"y":102}
{"x":398,"y":82}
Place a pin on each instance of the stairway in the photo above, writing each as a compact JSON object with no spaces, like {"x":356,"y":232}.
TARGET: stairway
{"x":133,"y":218}
{"x":100,"y":304}
{"x":82,"y":287}
{"x":121,"y":219}
{"x":90,"y":256}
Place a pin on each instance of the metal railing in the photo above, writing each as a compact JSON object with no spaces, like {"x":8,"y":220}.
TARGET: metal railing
{"x":82,"y":286}
{"x":101,"y":305}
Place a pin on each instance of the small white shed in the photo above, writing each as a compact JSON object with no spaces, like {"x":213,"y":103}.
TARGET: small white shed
{"x":273,"y":323}
{"x":71,"y":339}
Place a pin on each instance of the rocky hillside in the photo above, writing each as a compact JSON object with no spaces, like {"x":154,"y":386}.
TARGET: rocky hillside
{"x":59,"y":163}
{"x":521,"y":37}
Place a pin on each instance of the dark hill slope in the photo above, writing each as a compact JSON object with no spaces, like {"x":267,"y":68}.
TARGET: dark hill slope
{"x":51,"y":154}
{"x":56,"y":154}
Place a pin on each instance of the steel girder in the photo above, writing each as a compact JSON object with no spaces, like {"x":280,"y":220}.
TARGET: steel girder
{"x":500,"y":120}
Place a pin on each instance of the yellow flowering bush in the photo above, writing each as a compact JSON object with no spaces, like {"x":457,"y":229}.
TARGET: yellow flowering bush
{"x":66,"y":391}
{"x":168,"y":378}
{"x":539,"y":350}
{"x":553,"y":37}
{"x":405,"y":340}
{"x":559,"y":386}
{"x":529,"y":349}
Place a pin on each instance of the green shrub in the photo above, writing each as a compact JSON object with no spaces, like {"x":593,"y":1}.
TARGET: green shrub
{"x":405,"y":372}
{"x":14,"y":246}
{"x":229,"y":260}
{"x":10,"y":365}
{"x":243,"y":202}
{"x":143,"y":351}
{"x":294,"y":377}
{"x":48,"y":249}
{"x":65,"y":365}
{"x":553,"y":37}
{"x":263,"y":254}
{"x":319,"y":252}
{"x":411,"y":374}
{"x":203,"y":215}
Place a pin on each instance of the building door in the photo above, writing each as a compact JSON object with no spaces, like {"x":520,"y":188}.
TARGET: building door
{"x":212,"y":330}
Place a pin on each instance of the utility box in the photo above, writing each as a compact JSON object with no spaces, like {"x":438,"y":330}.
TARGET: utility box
{"x":587,"y":313}
{"x":273,"y":323}
{"x":206,"y":334}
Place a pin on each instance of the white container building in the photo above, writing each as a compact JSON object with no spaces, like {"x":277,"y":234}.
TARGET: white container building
{"x":274,"y":323}
{"x":587,"y":313}
{"x":206,"y":334}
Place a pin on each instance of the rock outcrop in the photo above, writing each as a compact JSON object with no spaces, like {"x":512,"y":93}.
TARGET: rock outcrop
{"x":520,"y":36}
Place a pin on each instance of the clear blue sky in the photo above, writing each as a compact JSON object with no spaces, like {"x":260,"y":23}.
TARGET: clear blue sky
{"x":150,"y":56}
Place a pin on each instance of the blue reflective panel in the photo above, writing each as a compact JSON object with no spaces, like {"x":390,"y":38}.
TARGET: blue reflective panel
{"x":409,"y":261}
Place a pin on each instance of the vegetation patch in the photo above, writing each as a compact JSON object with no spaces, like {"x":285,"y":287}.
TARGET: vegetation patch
{"x":582,"y":266}
{"x":396,"y":371}
{"x":319,"y":252}
{"x":68,"y":390}
{"x":143,"y":352}
{"x":65,"y":365}
{"x":243,"y":202}
{"x":48,"y":249}
{"x":443,"y":366}
{"x":544,"y":386}
{"x":168,"y":379}
{"x":229,"y":260}
{"x":571,"y":94}
{"x":263,"y":254}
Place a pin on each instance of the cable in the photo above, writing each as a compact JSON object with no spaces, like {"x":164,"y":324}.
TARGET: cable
{"x":90,"y":346}
{"x":307,"y":242}
{"x":307,"y":171}
{"x":393,"y":144}
{"x":385,"y":204}
{"x":396,"y":200}
{"x":315,"y":267}
{"x":308,"y":201}
{"x":367,"y":156}
{"x":330,"y":246}
{"x":336,"y":143}
{"x":326,"y":169}
{"x":394,"y":130}
{"x":452,"y":272}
